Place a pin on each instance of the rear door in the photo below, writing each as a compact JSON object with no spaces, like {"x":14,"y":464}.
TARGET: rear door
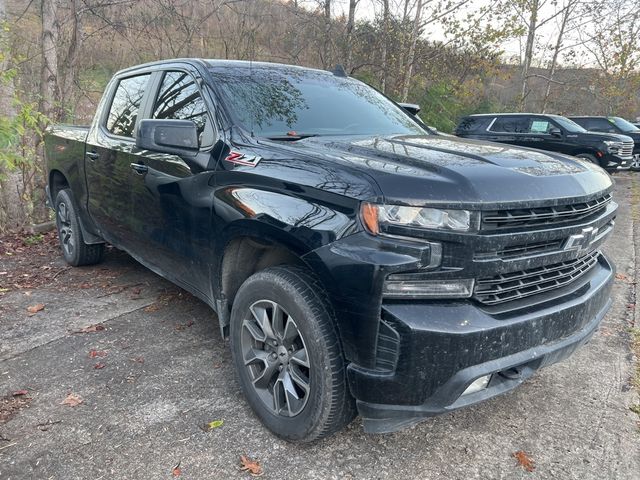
{"x":511,"y":129}
{"x":110,"y":151}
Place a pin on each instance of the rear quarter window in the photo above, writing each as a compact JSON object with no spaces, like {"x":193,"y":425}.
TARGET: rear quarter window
{"x":510,"y":125}
{"x":123,"y":112}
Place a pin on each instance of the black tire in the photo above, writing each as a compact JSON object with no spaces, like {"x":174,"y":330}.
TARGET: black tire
{"x":635,"y":163}
{"x":74,"y":250}
{"x":327,"y":406}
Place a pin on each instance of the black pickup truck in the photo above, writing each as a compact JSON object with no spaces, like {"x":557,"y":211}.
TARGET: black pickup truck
{"x":357,"y":261}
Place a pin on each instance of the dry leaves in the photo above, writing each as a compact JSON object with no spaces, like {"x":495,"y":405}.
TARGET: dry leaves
{"x":20,"y":392}
{"x":98,"y":327}
{"x":621,"y":276}
{"x":72,"y":400}
{"x":176,"y":471}
{"x":97,"y":353}
{"x":251,"y":466}
{"x":99,"y":366}
{"x":524,"y":460}
{"x":33,"y":309}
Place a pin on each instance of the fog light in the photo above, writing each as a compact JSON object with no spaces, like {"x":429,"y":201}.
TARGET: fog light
{"x":411,"y":288}
{"x":479,"y":384}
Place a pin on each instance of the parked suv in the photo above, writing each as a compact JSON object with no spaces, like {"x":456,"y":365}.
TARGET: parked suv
{"x":552,"y":133}
{"x":614,"y":125}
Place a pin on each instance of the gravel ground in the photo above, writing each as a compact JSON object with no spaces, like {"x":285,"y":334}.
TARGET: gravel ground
{"x":159,"y":372}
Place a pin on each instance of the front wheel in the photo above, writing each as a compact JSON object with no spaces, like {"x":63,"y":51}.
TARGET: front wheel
{"x":287,"y":355}
{"x":74,"y":250}
{"x":635,"y":163}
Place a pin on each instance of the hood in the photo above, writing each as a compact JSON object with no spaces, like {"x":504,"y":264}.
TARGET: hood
{"x":593,"y":137}
{"x":455,"y":172}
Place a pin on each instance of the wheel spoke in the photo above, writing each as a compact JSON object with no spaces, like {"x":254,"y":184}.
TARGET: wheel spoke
{"x":294,"y":401}
{"x":277,"y":320}
{"x":263,"y":379}
{"x":300,"y":379}
{"x":262,"y":317}
{"x":290,"y":332}
{"x":300,"y":358}
{"x":254,"y":330}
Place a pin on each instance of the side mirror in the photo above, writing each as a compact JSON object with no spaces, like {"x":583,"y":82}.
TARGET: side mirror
{"x":179,"y":137}
{"x":412,"y":108}
{"x":555,"y":132}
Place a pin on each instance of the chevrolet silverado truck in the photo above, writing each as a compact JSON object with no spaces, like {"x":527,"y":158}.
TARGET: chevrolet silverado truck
{"x":357,"y":262}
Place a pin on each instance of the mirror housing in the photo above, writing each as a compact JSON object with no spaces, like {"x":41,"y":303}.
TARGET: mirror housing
{"x":179,"y":137}
{"x":412,"y":108}
{"x":555,"y":132}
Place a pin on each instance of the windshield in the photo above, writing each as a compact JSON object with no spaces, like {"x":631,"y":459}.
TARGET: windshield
{"x":281,"y":102}
{"x":569,"y":125}
{"x":623,"y":125}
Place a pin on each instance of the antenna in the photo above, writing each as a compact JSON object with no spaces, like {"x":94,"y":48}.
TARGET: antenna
{"x":339,"y":71}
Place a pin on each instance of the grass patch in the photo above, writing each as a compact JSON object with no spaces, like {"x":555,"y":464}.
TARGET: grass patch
{"x":31,"y":240}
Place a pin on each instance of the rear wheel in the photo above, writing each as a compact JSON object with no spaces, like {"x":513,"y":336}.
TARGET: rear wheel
{"x":287,"y":355}
{"x":74,"y":250}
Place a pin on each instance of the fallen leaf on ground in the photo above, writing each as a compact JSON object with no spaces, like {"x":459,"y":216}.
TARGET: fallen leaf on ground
{"x":20,"y":392}
{"x":211,"y":425}
{"x":85,"y":286}
{"x":33,"y":309}
{"x":251,"y":466}
{"x":154,"y":307}
{"x":97,"y":353}
{"x":98,"y":327}
{"x":136,"y":291}
{"x":622,"y":276}
{"x":99,"y":366}
{"x":138,"y":359}
{"x":524,"y":460}
{"x":72,"y":400}
{"x":176,"y":471}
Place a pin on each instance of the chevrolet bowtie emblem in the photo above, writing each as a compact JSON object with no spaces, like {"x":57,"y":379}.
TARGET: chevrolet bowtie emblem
{"x":582,"y":240}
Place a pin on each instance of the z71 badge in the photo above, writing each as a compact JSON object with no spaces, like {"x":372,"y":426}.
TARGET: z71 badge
{"x":242,"y":159}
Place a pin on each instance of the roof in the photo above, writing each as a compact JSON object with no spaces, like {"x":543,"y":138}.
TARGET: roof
{"x":505,"y":114}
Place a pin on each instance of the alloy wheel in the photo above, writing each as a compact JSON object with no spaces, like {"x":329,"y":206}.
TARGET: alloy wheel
{"x":65,"y":230}
{"x":276,"y":359}
{"x":635,"y":163}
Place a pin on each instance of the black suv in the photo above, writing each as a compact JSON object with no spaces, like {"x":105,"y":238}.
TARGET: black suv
{"x":614,"y":125}
{"x":552,"y":133}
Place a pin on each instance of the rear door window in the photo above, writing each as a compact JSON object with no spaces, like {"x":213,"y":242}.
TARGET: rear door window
{"x":510,"y":125}
{"x":123,"y":113}
{"x":539,"y":125}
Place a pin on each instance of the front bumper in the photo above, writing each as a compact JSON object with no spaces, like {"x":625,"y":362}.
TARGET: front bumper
{"x":444,"y":346}
{"x":614,"y":162}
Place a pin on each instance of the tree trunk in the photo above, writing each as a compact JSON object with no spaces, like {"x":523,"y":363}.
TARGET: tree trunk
{"x":326,"y":51}
{"x":556,"y":53}
{"x":49,"y":87}
{"x":69,"y":74}
{"x":10,"y":212}
{"x":528,"y":53}
{"x":351,"y":20}
{"x":415,"y":33}
{"x":385,"y":44}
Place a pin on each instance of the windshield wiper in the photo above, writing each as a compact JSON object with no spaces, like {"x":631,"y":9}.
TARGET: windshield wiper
{"x":292,"y":136}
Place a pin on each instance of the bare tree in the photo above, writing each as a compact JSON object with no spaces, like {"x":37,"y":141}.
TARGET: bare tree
{"x":351,"y":20}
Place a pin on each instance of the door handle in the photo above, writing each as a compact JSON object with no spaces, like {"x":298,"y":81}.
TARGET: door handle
{"x":92,"y":155}
{"x":140,"y":168}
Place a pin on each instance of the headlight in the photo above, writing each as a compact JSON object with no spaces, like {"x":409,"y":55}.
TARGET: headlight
{"x":377,"y":217}
{"x":613,"y":146}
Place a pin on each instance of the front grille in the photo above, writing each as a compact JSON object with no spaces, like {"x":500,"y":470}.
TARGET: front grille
{"x":622,"y":149}
{"x":524,"y":283}
{"x":515,"y":251}
{"x":525,"y":217}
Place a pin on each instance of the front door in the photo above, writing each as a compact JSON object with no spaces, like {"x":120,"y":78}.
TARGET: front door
{"x":172,"y":196}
